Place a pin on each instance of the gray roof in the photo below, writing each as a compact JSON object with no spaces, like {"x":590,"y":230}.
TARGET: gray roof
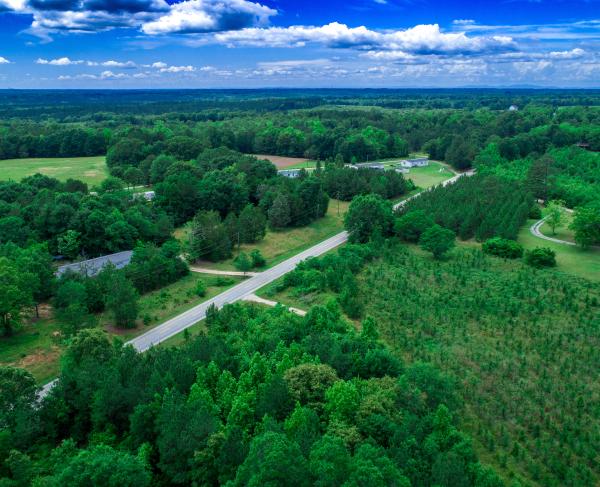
{"x":93,"y":266}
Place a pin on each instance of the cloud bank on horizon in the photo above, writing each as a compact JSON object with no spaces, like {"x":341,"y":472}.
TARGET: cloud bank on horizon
{"x":242,"y":43}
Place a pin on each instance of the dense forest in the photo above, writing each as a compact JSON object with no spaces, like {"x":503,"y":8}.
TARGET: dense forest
{"x":521,"y":345}
{"x":261,"y":398}
{"x":436,"y":349}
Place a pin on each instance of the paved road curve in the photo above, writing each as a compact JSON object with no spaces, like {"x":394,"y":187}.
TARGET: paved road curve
{"x":198,"y":313}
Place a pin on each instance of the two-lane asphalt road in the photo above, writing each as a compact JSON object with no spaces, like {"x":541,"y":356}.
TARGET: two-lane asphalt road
{"x":250,"y":286}
{"x":185,"y":320}
{"x":198,"y":313}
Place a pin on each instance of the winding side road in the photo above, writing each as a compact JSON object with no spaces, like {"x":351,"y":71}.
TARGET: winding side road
{"x":242,"y":290}
{"x":536,"y":232}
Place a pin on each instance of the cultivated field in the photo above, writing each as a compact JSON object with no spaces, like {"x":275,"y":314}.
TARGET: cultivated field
{"x":91,"y":170}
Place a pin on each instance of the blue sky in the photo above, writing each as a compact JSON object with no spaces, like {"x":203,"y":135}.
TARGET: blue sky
{"x":293,"y":43}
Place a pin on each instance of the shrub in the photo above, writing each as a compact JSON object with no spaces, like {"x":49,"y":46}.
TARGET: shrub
{"x":200,"y":289}
{"x":541,"y":257}
{"x":503,"y":247}
{"x":535,"y":212}
{"x":257,"y":259}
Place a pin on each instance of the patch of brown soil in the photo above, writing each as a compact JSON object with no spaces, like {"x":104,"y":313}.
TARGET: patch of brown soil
{"x":39,"y":357}
{"x":280,"y":161}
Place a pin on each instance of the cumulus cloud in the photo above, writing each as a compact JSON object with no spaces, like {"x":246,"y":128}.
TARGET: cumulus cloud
{"x":63,"y":61}
{"x":199,"y":16}
{"x":421,"y":39}
{"x":152,"y":16}
{"x":11,"y":5}
{"x":3,"y":60}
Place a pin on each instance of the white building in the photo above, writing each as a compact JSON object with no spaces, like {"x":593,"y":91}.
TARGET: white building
{"x":417,"y":162}
{"x":290,"y":173}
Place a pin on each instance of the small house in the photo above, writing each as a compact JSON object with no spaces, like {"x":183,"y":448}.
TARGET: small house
{"x":290,"y":173}
{"x":417,"y":162}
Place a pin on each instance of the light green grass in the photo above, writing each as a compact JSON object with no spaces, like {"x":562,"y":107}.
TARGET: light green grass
{"x":38,"y":345}
{"x":428,"y":176}
{"x":91,"y":170}
{"x":569,"y":259}
{"x":562,"y":232}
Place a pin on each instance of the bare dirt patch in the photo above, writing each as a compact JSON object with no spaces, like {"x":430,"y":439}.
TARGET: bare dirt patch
{"x":39,"y":357}
{"x":282,"y":162}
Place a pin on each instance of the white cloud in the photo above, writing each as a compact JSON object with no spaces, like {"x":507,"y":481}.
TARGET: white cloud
{"x":572,"y":54}
{"x":119,"y":64}
{"x":197,"y":16}
{"x":178,"y":69}
{"x":421,"y":39}
{"x":8,"y":5}
{"x":3,"y":60}
{"x":159,"y":65}
{"x":63,"y":61}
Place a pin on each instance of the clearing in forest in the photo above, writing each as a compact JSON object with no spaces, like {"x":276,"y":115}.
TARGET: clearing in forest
{"x":90,"y":170}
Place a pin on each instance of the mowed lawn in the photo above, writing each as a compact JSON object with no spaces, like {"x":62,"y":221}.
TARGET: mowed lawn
{"x":91,"y":170}
{"x":37,"y":346}
{"x":428,"y":176}
{"x":569,"y":259}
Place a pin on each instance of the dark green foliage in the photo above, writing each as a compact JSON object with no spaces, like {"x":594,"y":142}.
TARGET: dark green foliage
{"x":221,"y":408}
{"x":477,"y":206}
{"x":437,"y":240}
{"x":242,"y":262}
{"x":501,"y":247}
{"x":122,"y":301}
{"x":586,"y":225}
{"x":345,"y":183}
{"x":209,"y":238}
{"x":152,"y":267}
{"x":411,"y":225}
{"x":252,"y":224}
{"x":369,"y":216}
{"x":280,"y":213}
{"x":541,"y":257}
{"x":258,"y":261}
{"x":101,"y":466}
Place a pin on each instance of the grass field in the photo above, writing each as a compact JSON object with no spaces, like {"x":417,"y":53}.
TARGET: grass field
{"x":570,"y":259}
{"x":37,"y":346}
{"x":425,"y":177}
{"x":562,"y":232}
{"x":91,"y":170}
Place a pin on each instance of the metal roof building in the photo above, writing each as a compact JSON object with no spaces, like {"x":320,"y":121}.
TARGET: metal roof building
{"x":92,"y":267}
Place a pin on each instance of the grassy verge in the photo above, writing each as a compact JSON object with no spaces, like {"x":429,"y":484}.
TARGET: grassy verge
{"x":280,"y":245}
{"x":91,"y":170}
{"x":38,"y":345}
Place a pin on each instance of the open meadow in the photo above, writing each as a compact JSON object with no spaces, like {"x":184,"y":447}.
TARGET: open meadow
{"x":90,"y":170}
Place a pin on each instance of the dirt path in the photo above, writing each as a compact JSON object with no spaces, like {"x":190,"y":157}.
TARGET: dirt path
{"x":203,"y":270}
{"x":255,"y":299}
